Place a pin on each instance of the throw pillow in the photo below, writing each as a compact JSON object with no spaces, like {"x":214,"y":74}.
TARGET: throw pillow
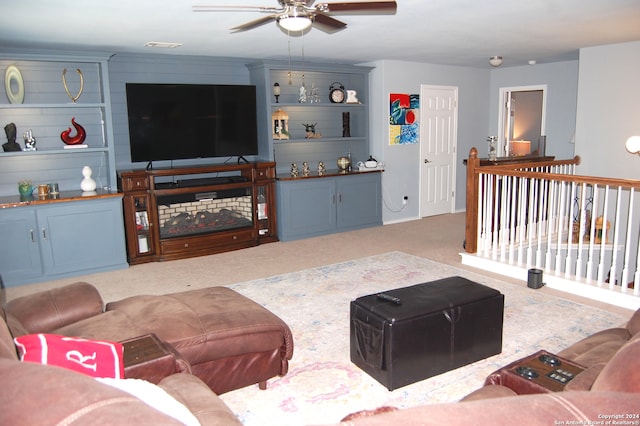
{"x":95,"y":358}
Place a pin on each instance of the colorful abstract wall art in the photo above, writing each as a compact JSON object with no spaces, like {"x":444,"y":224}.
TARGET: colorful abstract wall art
{"x":404,"y":114}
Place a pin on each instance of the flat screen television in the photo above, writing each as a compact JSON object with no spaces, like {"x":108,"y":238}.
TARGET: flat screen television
{"x":188,"y":121}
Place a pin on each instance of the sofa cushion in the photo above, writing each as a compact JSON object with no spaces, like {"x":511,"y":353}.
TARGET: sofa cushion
{"x":45,"y":311}
{"x":230,"y":340}
{"x":7,"y":347}
{"x":91,"y":357}
{"x":112,"y":326}
{"x":621,"y":374}
{"x":206,"y":324}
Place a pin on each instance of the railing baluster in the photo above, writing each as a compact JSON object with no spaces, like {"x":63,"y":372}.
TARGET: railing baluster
{"x":603,"y":236}
{"x":531,"y":228}
{"x":613,"y":272}
{"x":542,"y":184}
{"x":514,"y":204}
{"x":592,"y":233}
{"x":522,"y":220}
{"x":495,"y":227}
{"x":550,"y":222}
{"x":627,"y":244}
{"x":569,"y":258}
{"x":583,"y":230}
{"x":482,"y":208}
{"x":504,"y":217}
{"x":560,"y":230}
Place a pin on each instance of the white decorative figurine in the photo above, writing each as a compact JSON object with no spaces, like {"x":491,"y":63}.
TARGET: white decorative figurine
{"x":294,"y":170}
{"x":87,"y":184}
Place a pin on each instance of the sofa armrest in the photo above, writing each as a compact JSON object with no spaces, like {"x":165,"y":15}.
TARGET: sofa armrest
{"x":51,"y":309}
{"x":193,"y":393}
{"x":584,"y":380}
{"x":488,"y":392}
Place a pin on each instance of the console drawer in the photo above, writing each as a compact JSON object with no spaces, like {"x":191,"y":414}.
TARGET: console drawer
{"x":135,"y":183}
{"x":244,"y":236}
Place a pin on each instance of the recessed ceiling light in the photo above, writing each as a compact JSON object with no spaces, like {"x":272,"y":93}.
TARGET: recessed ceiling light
{"x":162,"y":44}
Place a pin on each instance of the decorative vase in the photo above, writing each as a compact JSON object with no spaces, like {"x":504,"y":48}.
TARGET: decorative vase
{"x":25,"y":188}
{"x":78,"y":138}
{"x":346,"y":125}
{"x":87,"y":184}
{"x":343,"y":163}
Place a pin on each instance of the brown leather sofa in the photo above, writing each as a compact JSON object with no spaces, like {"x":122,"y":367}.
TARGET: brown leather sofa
{"x":593,"y":353}
{"x":34,"y":394}
{"x":608,"y":393}
{"x":224,"y":338}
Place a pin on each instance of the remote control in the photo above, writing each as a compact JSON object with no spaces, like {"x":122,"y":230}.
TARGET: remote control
{"x":389,"y":298}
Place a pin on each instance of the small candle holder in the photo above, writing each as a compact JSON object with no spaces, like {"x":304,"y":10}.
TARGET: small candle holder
{"x":276,"y":91}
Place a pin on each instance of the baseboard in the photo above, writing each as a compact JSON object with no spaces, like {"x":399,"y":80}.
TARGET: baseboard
{"x":409,"y":219}
{"x":589,"y":291}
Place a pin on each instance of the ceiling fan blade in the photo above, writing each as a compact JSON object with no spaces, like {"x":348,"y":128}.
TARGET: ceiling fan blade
{"x":327,"y":23}
{"x":231,"y":8}
{"x":253,"y":24}
{"x":362,"y":6}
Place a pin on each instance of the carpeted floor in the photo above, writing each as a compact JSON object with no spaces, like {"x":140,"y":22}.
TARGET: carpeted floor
{"x":322,"y":385}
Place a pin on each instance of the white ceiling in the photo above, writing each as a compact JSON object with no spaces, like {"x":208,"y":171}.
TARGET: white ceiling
{"x":452,"y":32}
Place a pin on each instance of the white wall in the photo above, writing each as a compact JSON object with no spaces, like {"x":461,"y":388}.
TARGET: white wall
{"x":402,"y":162}
{"x":608,"y":110}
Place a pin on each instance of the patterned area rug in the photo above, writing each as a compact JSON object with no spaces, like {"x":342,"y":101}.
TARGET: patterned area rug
{"x":323,"y":386}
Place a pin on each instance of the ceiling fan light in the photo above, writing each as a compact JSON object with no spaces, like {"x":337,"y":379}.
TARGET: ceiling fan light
{"x":495,"y":61}
{"x":294,"y":23}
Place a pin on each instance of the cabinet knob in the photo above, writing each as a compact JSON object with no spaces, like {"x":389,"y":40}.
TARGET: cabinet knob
{"x":186,"y":245}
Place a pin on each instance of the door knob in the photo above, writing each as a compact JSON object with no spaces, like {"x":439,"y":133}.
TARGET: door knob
{"x":426,"y":161}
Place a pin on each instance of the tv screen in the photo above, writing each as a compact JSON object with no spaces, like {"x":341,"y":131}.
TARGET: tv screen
{"x":186,"y":121}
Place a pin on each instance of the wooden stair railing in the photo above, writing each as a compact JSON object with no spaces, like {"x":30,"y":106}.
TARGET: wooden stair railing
{"x":529,"y":167}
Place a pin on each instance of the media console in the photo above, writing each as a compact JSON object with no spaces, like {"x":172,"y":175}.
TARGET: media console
{"x":194,"y":211}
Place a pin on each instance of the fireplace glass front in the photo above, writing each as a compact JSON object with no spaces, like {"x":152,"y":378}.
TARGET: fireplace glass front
{"x":204,"y":212}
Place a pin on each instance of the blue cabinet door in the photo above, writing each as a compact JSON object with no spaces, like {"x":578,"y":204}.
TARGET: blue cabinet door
{"x":359,"y":201}
{"x":306,"y":208}
{"x":20,"y":248}
{"x":82,"y":236}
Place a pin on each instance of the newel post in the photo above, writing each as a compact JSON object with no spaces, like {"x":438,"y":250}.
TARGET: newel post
{"x":471,"y":223}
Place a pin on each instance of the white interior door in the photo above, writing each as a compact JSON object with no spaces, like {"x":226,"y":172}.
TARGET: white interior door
{"x":438,"y":141}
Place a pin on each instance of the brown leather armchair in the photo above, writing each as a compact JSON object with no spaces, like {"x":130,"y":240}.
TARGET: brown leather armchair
{"x":224,"y":338}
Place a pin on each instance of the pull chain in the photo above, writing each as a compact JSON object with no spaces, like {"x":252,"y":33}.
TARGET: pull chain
{"x":303,"y":59}
{"x":289,"y":49}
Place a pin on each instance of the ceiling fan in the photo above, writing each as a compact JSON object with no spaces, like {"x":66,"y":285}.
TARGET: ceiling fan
{"x":298,"y":15}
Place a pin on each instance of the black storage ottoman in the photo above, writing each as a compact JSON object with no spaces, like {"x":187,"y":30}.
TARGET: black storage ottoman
{"x":439,"y":326}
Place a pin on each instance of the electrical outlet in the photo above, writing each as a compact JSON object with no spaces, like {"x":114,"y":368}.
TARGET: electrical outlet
{"x":405,"y":199}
